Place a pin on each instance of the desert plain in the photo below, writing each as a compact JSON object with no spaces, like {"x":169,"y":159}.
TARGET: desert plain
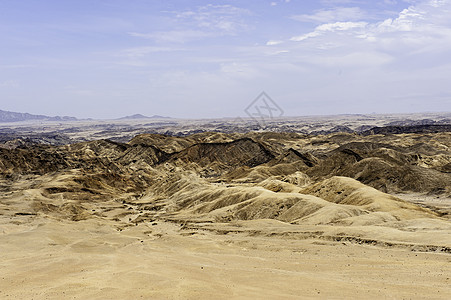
{"x":348,"y":207}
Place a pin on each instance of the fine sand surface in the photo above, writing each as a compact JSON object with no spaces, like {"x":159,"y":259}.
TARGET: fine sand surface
{"x":48,"y":259}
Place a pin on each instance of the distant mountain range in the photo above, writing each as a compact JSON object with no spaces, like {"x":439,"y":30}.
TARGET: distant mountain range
{"x":9,"y":116}
{"x":139,"y":116}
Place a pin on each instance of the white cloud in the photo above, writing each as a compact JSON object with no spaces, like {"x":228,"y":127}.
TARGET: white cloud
{"x":406,"y":20}
{"x":273,"y":42}
{"x":277,"y":52}
{"x":422,"y":28}
{"x":173,"y":36}
{"x":341,"y":26}
{"x":204,"y":22}
{"x":333,"y":15}
{"x":274,"y":3}
{"x":418,"y":39}
{"x":419,"y":26}
{"x":305,"y":36}
{"x":226,"y":19}
{"x":329,"y":27}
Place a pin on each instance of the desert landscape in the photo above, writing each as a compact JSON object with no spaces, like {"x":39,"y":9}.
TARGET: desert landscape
{"x":356,"y":207}
{"x":174,"y":149}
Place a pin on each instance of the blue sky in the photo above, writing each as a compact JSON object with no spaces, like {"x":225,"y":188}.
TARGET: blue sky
{"x":199,"y":59}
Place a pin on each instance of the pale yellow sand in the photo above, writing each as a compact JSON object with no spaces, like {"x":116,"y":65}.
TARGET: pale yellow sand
{"x":49,"y":259}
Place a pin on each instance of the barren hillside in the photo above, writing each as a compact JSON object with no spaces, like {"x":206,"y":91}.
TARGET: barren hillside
{"x":276,"y":193}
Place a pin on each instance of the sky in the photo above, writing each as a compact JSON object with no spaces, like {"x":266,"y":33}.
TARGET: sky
{"x":211,"y":59}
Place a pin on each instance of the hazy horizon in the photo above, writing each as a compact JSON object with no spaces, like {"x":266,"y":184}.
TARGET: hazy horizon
{"x":200,"y":59}
{"x":243,"y":116}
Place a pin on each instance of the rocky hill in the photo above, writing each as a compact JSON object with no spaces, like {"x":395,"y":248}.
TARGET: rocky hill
{"x":155,"y":165}
{"x":238,"y":202}
{"x":9,"y":116}
{"x":140,"y":116}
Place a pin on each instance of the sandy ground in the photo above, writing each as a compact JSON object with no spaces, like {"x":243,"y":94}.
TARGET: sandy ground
{"x":100,"y":220}
{"x":41,"y":258}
